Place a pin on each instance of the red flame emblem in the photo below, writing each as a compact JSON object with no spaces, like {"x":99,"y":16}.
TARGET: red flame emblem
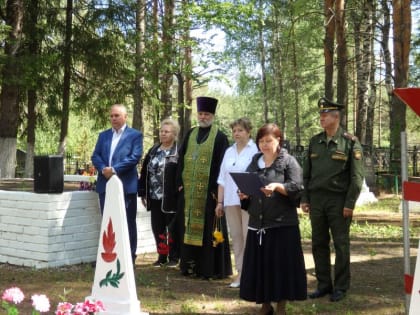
{"x":108,"y":242}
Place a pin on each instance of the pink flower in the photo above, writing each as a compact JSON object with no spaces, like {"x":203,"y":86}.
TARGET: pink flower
{"x":64,"y":308}
{"x":41,"y":303}
{"x":13,"y":295}
{"x":78,"y":309}
{"x":95,"y":306}
{"x":89,"y":306}
{"x":86,"y":308}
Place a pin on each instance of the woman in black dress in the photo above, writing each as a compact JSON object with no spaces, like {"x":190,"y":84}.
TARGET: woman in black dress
{"x":273,"y":267}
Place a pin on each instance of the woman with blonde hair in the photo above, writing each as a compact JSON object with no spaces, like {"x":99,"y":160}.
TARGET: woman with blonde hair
{"x":157,"y":189}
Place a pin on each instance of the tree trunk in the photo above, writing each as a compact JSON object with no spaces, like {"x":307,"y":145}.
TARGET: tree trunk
{"x":155,"y":70}
{"x":139,"y":67}
{"x":9,"y":97}
{"x":263,"y":70}
{"x":34,"y":55}
{"x":296,"y":92}
{"x":401,"y":41}
{"x":329,"y":48}
{"x":66,"y":79}
{"x":30,"y":143}
{"x":363,"y":40}
{"x":385,"y":29}
{"x":371,"y":102}
{"x":184,"y":112}
{"x":372,"y":83}
{"x":342,"y":82}
{"x":168,"y":55}
{"x":188,"y":91}
{"x":180,"y":102}
{"x":358,"y":61}
{"x":278,"y":77}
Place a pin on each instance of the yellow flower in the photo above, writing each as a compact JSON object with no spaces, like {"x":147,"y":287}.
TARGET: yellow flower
{"x":218,"y":237}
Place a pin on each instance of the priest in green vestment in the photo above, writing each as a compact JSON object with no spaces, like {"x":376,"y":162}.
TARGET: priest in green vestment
{"x":200,"y":157}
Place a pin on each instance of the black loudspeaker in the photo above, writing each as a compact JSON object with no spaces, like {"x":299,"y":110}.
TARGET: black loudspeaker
{"x":48,"y":174}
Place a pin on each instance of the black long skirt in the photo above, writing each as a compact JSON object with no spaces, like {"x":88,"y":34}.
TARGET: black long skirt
{"x":273,"y":268}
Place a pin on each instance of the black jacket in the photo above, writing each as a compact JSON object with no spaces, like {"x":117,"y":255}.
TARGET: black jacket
{"x":276,"y":210}
{"x":169,"y":189}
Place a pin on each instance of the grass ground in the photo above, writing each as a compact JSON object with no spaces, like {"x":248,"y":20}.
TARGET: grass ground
{"x":377,"y":276}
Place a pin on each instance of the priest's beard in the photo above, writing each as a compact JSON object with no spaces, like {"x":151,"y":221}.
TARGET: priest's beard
{"x":205,"y":123}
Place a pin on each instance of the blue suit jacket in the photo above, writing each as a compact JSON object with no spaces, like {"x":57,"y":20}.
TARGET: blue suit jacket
{"x":126,"y":156}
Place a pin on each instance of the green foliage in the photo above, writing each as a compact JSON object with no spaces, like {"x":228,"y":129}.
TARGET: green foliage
{"x":190,"y":307}
{"x":83,"y":134}
{"x":305,"y":226}
{"x":289,"y":30}
{"x":413,"y":127}
{"x":415,"y":57}
{"x":104,"y":59}
{"x":46,"y":138}
{"x":64,"y":297}
{"x":369,"y":231}
{"x":384,"y":204}
{"x":413,"y":121}
{"x":144,"y":280}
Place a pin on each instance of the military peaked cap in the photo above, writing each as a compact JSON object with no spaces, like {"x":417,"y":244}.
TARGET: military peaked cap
{"x":325,"y":105}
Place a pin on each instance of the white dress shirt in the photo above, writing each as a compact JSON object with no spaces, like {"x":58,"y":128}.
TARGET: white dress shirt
{"x":116,"y":136}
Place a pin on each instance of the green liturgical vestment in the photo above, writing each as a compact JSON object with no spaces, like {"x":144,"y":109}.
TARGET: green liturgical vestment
{"x":195,"y":178}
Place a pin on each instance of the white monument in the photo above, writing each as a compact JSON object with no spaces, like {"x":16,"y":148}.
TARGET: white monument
{"x":114,"y":282}
{"x":366,"y":196}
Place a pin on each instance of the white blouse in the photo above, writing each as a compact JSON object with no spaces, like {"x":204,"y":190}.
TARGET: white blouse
{"x":234,"y":162}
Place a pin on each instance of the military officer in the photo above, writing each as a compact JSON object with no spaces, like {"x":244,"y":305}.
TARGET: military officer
{"x":333,"y":176}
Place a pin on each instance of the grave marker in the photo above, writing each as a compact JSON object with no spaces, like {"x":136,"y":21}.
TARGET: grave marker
{"x":114,"y":282}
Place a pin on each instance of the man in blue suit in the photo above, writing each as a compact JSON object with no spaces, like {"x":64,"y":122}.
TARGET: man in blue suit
{"x":118,"y":151}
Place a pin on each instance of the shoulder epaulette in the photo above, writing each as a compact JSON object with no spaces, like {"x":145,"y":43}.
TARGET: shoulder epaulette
{"x":350,"y":136}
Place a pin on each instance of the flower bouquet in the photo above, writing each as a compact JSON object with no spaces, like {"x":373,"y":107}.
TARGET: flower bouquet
{"x":217,"y":232}
{"x":164,"y":245}
{"x":85,"y":308}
